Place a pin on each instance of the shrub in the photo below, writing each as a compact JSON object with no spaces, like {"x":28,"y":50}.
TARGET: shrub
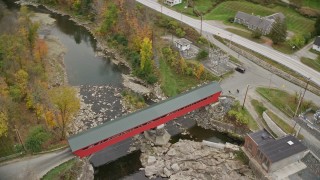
{"x":37,"y":136}
{"x":180,"y":32}
{"x":189,"y":71}
{"x":151,"y":79}
{"x":202,"y":55}
{"x":297,"y":41}
{"x":309,"y":12}
{"x":202,"y":40}
{"x":256,"y":33}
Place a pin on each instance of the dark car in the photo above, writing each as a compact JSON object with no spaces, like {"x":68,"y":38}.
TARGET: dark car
{"x":240,"y":69}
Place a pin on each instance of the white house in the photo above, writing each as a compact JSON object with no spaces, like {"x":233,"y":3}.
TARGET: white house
{"x":182,"y":44}
{"x":172,"y":2}
{"x":316,"y":44}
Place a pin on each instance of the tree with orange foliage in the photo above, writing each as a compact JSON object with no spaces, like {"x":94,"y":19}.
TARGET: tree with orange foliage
{"x":49,"y":118}
{"x":40,"y":50}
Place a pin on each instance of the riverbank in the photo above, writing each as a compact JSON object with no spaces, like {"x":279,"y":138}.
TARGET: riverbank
{"x":102,"y":48}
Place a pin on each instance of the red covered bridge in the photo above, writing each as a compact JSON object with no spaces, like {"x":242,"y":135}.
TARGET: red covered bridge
{"x":98,"y":138}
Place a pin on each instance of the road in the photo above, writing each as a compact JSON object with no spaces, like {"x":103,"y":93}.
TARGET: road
{"x":34,"y":167}
{"x":255,"y":76}
{"x":279,"y":57}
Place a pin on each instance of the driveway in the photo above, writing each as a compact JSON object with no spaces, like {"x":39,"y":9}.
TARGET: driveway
{"x":304,"y":52}
{"x":33,"y":167}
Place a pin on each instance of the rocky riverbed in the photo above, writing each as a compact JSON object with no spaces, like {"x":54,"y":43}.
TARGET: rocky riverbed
{"x":213,"y":117}
{"x":193,"y":160}
{"x":98,"y":104}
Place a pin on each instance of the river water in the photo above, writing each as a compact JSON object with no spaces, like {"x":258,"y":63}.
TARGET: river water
{"x":84,"y":68}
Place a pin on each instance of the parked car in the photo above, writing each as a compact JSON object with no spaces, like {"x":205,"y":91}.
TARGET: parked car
{"x":240,"y":69}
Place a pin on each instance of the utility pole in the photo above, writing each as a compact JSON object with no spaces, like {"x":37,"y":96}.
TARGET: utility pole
{"x":230,"y":40}
{"x":201,"y":26}
{"x":301,"y":99}
{"x":270,"y":82}
{"x":19,"y":137}
{"x":245,"y":96}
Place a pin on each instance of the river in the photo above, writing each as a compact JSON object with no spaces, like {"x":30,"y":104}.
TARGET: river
{"x":85,"y":68}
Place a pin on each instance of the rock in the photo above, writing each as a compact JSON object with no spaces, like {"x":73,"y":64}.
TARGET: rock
{"x":167,"y":172}
{"x":172,"y":152}
{"x":151,"y":160}
{"x":231,"y":147}
{"x":175,"y":167}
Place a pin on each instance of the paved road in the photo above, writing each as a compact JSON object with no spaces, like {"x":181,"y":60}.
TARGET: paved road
{"x":264,"y":50}
{"x":255,"y":76}
{"x":34,"y":167}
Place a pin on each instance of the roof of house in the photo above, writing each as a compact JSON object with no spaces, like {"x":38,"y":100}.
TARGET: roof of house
{"x":317,"y":41}
{"x":275,"y":16}
{"x":183,"y":41}
{"x":242,"y":15}
{"x":111,"y":128}
{"x":282,"y":148}
{"x":261,"y":137}
{"x":263,"y":23}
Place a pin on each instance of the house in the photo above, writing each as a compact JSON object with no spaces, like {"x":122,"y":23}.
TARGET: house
{"x":257,"y":22}
{"x":273,"y":154}
{"x":182,"y":44}
{"x":172,"y":2}
{"x":316,"y":44}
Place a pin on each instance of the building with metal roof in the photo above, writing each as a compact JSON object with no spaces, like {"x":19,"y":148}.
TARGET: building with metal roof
{"x":144,"y":119}
{"x":273,"y":154}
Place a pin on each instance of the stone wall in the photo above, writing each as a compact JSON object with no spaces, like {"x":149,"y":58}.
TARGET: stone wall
{"x":274,"y":70}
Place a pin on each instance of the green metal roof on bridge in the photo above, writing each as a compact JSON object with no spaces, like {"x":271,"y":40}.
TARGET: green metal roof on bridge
{"x":140,"y":117}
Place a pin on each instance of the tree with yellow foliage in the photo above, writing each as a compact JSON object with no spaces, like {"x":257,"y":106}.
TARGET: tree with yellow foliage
{"x":146,"y":56}
{"x":67,"y":105}
{"x":3,"y":122}
{"x":199,"y":71}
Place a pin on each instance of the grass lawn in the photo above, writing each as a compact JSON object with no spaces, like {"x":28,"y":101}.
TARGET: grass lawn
{"x":228,"y":9}
{"x":173,"y":83}
{"x":284,"y":101}
{"x":258,"y":106}
{"x":282,"y":125}
{"x":312,"y":3}
{"x":284,"y":48}
{"x":200,"y":5}
{"x":60,"y":171}
{"x":245,"y":34}
{"x":252,"y":123}
{"x":314,"y":64}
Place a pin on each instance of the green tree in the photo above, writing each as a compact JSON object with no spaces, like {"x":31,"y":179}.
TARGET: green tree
{"x":257,"y":33}
{"x":297,"y":41}
{"x":110,"y":18}
{"x":278,"y":32}
{"x":146,"y":56}
{"x":203,"y":54}
{"x":37,"y":136}
{"x":238,"y":118}
{"x":317,"y":26}
{"x":67,"y":103}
